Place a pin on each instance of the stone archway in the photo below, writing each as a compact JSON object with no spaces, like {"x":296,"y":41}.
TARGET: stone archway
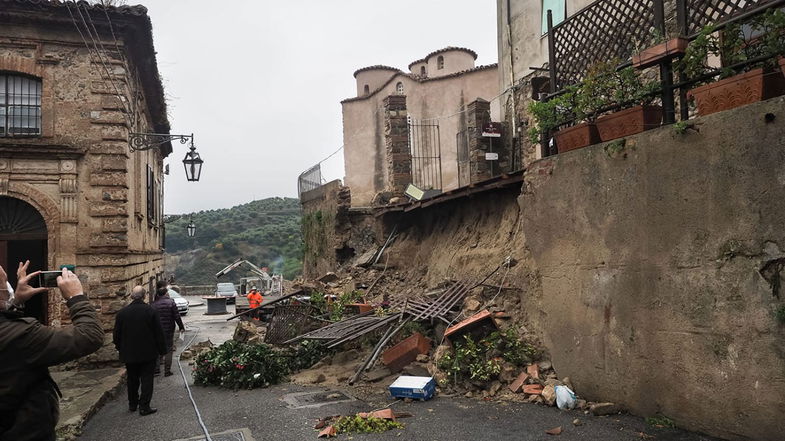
{"x":24,"y":236}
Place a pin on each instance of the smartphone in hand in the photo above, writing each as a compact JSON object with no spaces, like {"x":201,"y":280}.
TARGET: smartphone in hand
{"x":48,"y":279}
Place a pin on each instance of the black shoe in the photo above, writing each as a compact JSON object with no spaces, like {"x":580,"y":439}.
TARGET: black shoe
{"x":168,"y":374}
{"x":131,"y":408}
{"x":147,"y":411}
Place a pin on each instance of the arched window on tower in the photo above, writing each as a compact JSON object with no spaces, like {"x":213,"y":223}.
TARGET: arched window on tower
{"x":422,"y":71}
{"x":399,"y":88}
{"x":440,"y":62}
{"x":366,"y":90}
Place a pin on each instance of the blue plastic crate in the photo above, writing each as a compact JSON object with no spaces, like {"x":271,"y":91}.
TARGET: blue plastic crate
{"x":418,"y":388}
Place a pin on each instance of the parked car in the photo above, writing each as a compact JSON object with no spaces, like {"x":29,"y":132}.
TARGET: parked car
{"x":182,"y":304}
{"x":226,"y":290}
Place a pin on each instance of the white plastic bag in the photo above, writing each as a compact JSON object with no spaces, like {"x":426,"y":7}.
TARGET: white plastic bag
{"x":565,"y":398}
{"x":182,"y":336}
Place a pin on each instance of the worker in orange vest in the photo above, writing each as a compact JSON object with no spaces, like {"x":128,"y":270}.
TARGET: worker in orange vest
{"x":254,"y":301}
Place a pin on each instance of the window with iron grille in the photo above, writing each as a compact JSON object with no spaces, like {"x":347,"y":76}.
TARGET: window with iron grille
{"x":20,"y":105}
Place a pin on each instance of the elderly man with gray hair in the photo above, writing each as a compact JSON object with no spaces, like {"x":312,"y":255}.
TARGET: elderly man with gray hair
{"x":139,"y":338}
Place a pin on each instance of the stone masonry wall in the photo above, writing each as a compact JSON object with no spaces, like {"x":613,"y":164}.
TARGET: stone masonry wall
{"x":79,"y":174}
{"x":396,"y":139}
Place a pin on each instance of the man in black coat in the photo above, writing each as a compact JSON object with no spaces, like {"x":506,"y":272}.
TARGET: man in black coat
{"x":139,"y":338}
{"x":169,"y":315}
{"x":29,"y":398}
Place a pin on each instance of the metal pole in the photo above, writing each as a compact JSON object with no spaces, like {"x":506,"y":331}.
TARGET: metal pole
{"x":681,"y":18}
{"x":666,"y":70}
{"x":551,"y":53}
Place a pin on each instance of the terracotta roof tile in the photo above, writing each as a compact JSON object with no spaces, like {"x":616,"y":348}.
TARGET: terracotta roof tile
{"x":419,"y":79}
{"x":452,"y":48}
{"x":375,"y":67}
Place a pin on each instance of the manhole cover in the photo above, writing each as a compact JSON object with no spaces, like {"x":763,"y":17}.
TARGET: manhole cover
{"x":315,"y":399}
{"x":230,"y":435}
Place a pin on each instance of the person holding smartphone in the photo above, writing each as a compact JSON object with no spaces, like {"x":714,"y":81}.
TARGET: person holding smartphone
{"x":29,"y":397}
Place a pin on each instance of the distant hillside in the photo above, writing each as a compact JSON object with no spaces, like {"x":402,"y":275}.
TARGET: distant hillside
{"x":265,"y":232}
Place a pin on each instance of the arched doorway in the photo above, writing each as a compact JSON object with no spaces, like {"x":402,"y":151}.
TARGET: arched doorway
{"x":23,"y":236}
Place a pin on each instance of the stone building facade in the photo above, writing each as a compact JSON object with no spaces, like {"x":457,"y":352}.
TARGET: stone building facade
{"x":426,"y":116}
{"x":71,"y":191}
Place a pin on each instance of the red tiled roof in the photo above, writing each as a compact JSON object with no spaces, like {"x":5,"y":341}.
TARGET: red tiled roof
{"x":415,"y":62}
{"x":419,"y":79}
{"x":375,"y":67}
{"x":452,"y":48}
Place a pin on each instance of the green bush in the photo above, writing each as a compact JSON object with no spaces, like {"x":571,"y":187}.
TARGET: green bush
{"x":482,"y":360}
{"x":234,"y":365}
{"x":357,"y":424}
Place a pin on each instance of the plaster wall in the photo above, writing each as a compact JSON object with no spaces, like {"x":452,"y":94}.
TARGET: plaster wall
{"x":363,"y":131}
{"x":79,"y":173}
{"x":373,"y":79}
{"x":658,"y":272}
{"x":454,"y":61}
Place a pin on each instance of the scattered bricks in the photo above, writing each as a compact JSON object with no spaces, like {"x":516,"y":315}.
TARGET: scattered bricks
{"x":406,"y":352}
{"x":554,"y":431}
{"x":600,"y":409}
{"x":532,"y":389}
{"x":533,"y":370}
{"x":517,"y":385}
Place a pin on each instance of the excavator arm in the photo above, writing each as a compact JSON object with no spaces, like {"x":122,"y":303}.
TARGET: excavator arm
{"x":254,"y":269}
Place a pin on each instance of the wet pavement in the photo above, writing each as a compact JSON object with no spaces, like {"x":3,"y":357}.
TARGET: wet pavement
{"x":262,"y":414}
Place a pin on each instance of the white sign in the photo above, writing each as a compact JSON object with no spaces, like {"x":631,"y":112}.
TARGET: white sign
{"x":491,"y":156}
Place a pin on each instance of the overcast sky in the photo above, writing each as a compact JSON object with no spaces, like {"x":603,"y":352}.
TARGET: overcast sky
{"x":259,"y":82}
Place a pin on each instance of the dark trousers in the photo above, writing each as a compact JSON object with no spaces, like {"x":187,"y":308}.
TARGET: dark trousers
{"x":140,"y":373}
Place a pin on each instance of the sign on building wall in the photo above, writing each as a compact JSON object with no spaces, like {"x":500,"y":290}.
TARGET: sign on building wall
{"x":492,"y":130}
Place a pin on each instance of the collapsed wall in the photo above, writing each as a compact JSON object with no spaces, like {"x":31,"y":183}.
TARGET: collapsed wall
{"x":649,"y":268}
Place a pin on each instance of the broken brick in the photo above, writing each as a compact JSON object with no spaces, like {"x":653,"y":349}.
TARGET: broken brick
{"x":328,"y":432}
{"x":554,"y":431}
{"x":533,"y":370}
{"x":517,"y":385}
{"x":534,"y":389}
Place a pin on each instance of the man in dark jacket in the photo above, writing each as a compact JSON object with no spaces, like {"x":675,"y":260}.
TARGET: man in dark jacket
{"x":29,"y":398}
{"x":139,"y":338}
{"x":169,"y":316}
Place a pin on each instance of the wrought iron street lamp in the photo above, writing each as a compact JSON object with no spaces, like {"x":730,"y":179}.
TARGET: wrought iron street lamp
{"x":146,"y":141}
{"x":193,"y":165}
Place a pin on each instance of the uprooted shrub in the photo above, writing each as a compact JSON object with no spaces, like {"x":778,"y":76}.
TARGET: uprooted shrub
{"x":235,"y":365}
{"x":482,"y":360}
{"x":358,"y":424}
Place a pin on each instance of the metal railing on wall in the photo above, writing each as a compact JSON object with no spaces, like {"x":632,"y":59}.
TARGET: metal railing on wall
{"x":425,"y":146}
{"x":608,"y":29}
{"x":310,"y":179}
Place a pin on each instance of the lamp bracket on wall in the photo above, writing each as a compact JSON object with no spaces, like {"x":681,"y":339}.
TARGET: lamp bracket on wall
{"x":147,"y":141}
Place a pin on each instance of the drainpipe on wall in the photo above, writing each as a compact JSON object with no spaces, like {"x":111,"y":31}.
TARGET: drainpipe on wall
{"x":512,"y":75}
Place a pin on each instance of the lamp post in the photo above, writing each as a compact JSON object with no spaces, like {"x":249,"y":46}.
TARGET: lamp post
{"x":193,"y":165}
{"x":191,"y":228}
{"x":192,"y":161}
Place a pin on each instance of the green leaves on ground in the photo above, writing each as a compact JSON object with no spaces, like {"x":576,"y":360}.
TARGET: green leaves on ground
{"x":235,"y":365}
{"x":482,"y":360}
{"x":358,"y":424}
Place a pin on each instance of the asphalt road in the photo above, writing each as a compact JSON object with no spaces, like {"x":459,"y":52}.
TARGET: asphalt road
{"x":264,"y":415}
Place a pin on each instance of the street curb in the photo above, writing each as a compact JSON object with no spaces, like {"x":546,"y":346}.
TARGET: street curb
{"x":71,"y":429}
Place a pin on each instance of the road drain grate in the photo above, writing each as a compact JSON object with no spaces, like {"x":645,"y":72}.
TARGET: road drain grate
{"x":315,"y":399}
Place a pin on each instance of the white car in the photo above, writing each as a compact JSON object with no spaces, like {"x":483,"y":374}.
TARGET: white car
{"x":227,"y":290}
{"x":182,"y":304}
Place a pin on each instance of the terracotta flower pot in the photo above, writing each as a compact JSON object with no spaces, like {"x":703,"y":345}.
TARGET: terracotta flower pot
{"x":738,"y":90}
{"x":655,"y":54}
{"x":629,"y":122}
{"x":575,"y":137}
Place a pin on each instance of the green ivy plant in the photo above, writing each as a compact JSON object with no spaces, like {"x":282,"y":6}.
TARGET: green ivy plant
{"x":482,"y":360}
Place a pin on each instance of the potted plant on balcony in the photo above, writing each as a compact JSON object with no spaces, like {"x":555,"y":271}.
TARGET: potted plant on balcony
{"x":659,"y":49}
{"x":633,"y":97}
{"x":736,"y":86}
